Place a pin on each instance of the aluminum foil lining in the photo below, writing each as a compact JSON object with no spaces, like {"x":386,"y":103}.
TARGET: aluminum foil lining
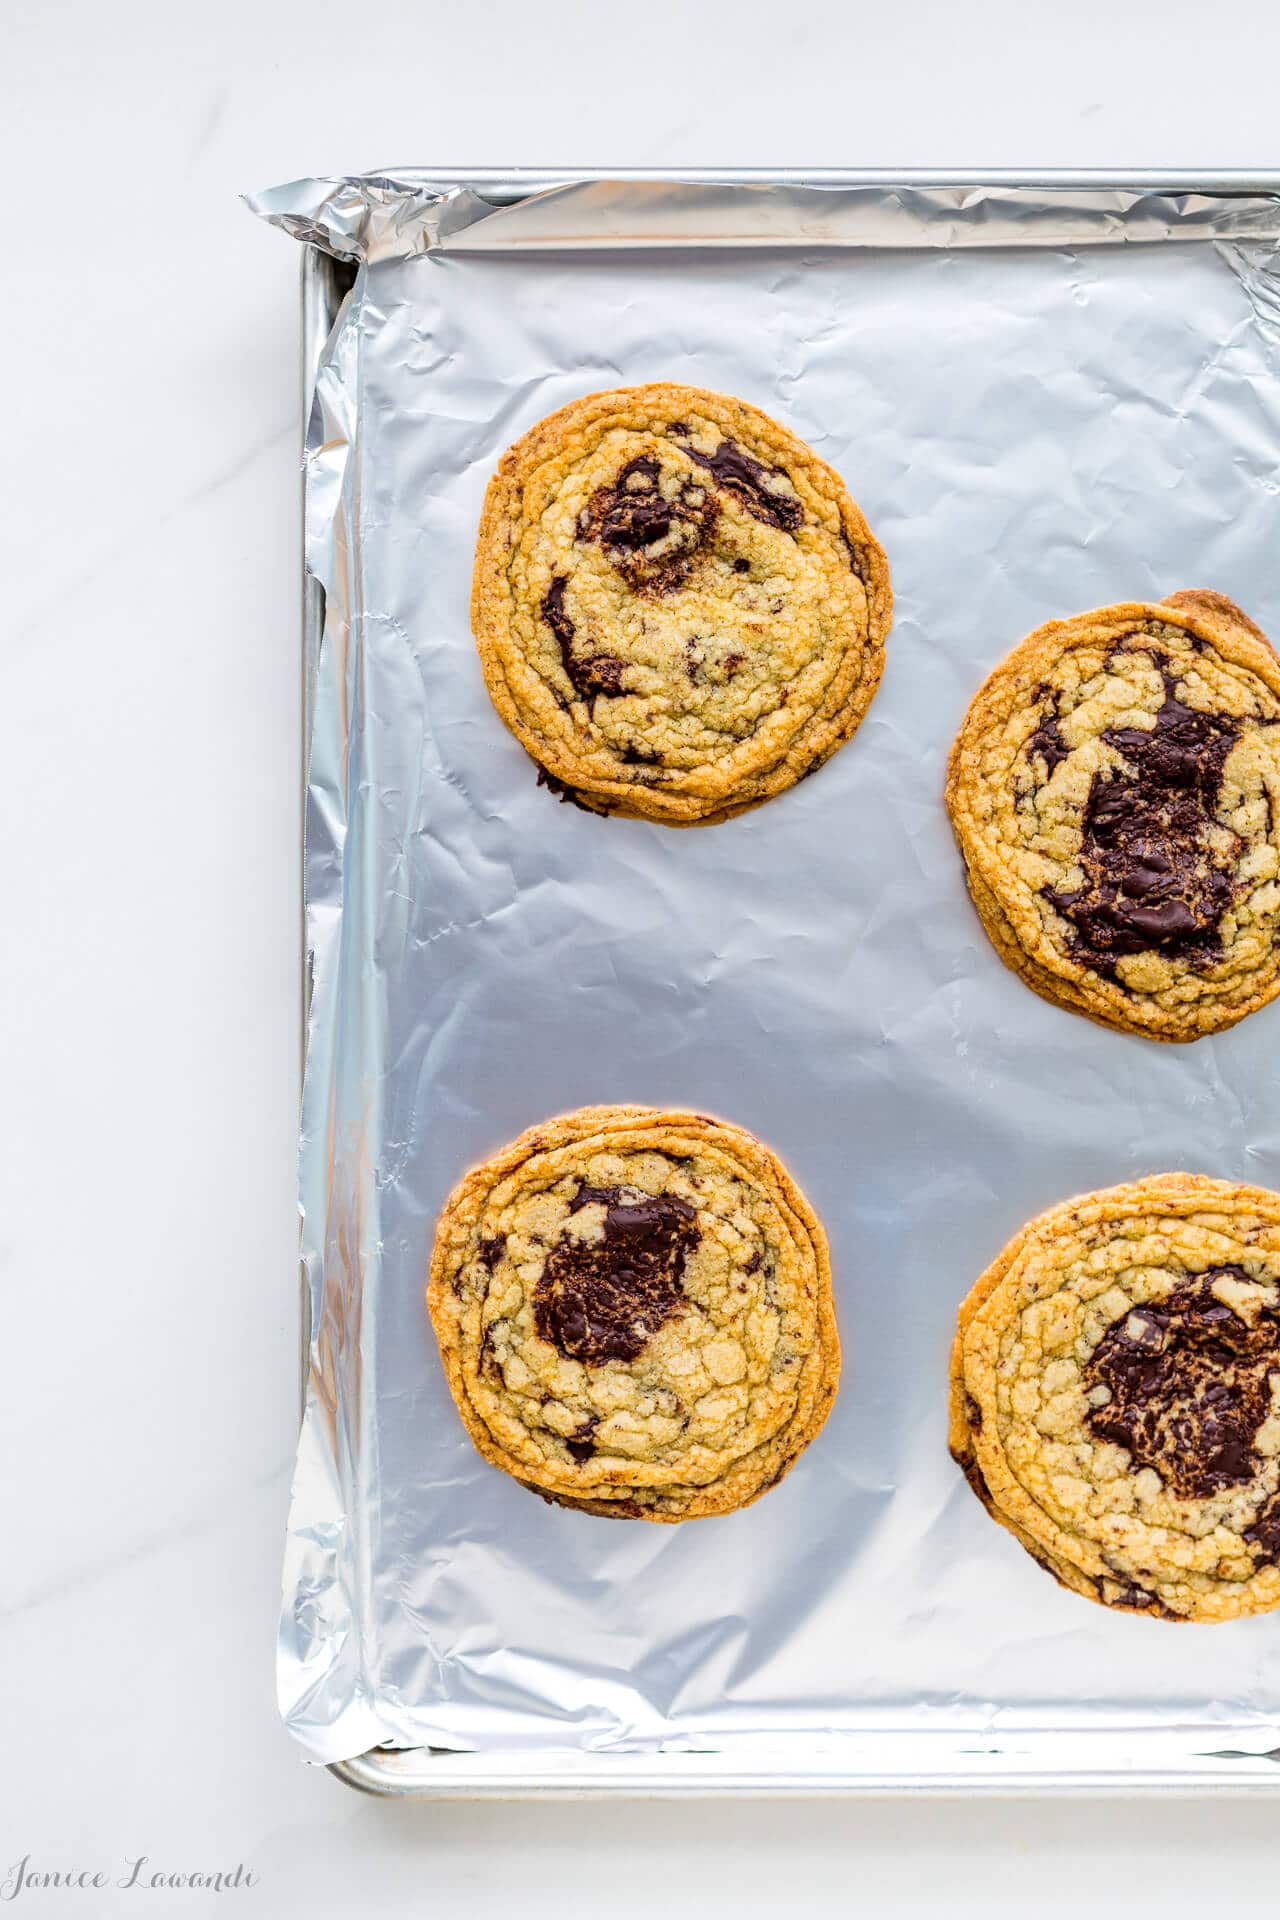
{"x":1036,"y":417}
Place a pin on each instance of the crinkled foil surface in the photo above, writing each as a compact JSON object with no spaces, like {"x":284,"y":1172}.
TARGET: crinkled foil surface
{"x":1043,"y":402}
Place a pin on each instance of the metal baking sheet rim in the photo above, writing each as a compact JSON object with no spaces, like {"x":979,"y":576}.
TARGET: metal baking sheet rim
{"x":884,"y":1765}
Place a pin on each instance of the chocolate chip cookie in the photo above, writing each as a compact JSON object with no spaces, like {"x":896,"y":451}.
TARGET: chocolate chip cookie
{"x":1115,"y":1396}
{"x":679,"y":610}
{"x":634,"y":1313}
{"x":1114,"y":790}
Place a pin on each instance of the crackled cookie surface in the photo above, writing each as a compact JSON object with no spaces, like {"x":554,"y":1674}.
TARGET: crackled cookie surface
{"x":1114,"y":790}
{"x":679,"y":609}
{"x":1115,"y":1395}
{"x":634,"y":1313}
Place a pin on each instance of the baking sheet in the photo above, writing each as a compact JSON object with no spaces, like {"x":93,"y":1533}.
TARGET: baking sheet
{"x":1031,"y":430}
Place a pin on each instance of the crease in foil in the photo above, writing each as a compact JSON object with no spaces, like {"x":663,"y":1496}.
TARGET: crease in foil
{"x":1033,"y":425}
{"x":1257,"y":263}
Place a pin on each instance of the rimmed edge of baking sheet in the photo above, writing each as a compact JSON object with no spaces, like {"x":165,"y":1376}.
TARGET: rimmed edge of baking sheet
{"x":404,"y":212}
{"x":1050,"y":1763}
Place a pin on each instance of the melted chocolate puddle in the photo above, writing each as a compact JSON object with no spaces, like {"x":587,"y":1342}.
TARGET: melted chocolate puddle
{"x":750,"y":481}
{"x":601,"y":1300}
{"x":591,"y":674}
{"x":1190,"y":1386}
{"x":1048,"y":742}
{"x":1151,"y":879}
{"x":651,"y":539}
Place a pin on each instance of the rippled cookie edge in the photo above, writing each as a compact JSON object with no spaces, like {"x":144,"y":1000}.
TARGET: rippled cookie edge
{"x":1014,"y":924}
{"x":1075,"y":1564}
{"x":568,"y":1301}
{"x":632,"y":783}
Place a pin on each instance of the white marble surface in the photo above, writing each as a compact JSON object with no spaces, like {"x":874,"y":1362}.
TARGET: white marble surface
{"x":149,"y":971}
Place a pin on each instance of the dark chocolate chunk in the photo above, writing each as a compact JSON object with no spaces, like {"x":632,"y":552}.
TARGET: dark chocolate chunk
{"x":1152,"y":880}
{"x":977,"y":1480}
{"x":1048,"y":742}
{"x":972,"y":1414}
{"x":604,"y":1299}
{"x":735,"y":471}
{"x":488,"y":1360}
{"x":555,"y":616}
{"x":568,"y":796}
{"x":489,"y":1252}
{"x":856,"y":565}
{"x":582,"y":1442}
{"x":1264,"y":1534}
{"x":1125,"y":1594}
{"x":1190,"y":1385}
{"x":599,"y":673}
